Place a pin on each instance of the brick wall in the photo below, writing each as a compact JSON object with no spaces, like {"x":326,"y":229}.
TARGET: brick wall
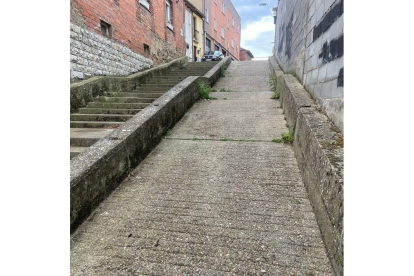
{"x":309,"y":43}
{"x":133,"y":25}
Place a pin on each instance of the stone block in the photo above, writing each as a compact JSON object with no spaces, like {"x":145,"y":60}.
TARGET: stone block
{"x":334,"y":67}
{"x":322,"y":73}
{"x":326,"y":89}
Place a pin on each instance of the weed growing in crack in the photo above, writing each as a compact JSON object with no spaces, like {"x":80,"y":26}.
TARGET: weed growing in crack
{"x":204,"y":91}
{"x":168,"y":133}
{"x":194,"y":139}
{"x":273,"y":87}
{"x":288,"y":136}
{"x":278,"y":140}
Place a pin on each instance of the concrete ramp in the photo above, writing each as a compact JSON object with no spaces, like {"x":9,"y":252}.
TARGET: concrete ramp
{"x":215,"y":197}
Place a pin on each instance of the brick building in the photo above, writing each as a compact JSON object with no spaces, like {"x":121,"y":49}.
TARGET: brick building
{"x":222,"y":28}
{"x":245,"y":55}
{"x":119,"y":37}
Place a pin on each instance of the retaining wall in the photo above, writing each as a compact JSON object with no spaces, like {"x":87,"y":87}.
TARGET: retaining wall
{"x":309,"y":37}
{"x":318,"y":147}
{"x":97,"y":171}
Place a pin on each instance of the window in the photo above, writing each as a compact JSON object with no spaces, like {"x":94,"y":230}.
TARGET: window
{"x":168,"y":14}
{"x":146,"y":49}
{"x":207,"y":20}
{"x":145,"y":3}
{"x":216,"y":48}
{"x":208,"y":45}
{"x":238,"y":28}
{"x":222,"y":32}
{"x":232,"y":43}
{"x":106,"y":29}
{"x":233,"y":22}
{"x":223,"y":8}
{"x":215,"y":24}
{"x":215,"y":1}
{"x":228,"y":46}
{"x":195,"y":29}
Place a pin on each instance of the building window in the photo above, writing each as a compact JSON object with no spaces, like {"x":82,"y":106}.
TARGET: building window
{"x":223,"y":8}
{"x":215,"y":1}
{"x":222,"y":32}
{"x":216,"y":48}
{"x":207,"y":20}
{"x":106,"y":29}
{"x":232,"y":43}
{"x":146,"y":49}
{"x":238,"y":28}
{"x":195,"y":29}
{"x":215,"y":24}
{"x":168,"y":13}
{"x":145,"y":3}
{"x":233,"y":22}
{"x":228,"y":46}
{"x":208,"y":45}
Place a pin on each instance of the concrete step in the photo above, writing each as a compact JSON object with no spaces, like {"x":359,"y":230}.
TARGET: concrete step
{"x":89,"y":124}
{"x":75,"y":151}
{"x":108,"y":111}
{"x":111,"y":105}
{"x":160,"y":85}
{"x":125,"y":99}
{"x":86,"y":137}
{"x":100,"y":117}
{"x":133,"y":94}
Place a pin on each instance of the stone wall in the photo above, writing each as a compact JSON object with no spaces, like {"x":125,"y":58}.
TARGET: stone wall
{"x":92,"y":54}
{"x":139,"y":36}
{"x":309,"y":44}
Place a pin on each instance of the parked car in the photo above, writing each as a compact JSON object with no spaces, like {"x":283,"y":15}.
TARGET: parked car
{"x":212,"y":56}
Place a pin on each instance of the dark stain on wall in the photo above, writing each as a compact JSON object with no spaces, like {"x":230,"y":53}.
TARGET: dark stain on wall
{"x":289,"y":37}
{"x":340,"y":78}
{"x":328,"y":20}
{"x":286,"y":32}
{"x":333,"y":49}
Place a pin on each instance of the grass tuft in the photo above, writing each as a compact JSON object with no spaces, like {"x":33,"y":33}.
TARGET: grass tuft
{"x":204,"y":90}
{"x":288,"y":137}
{"x":278,"y":140}
{"x":273,"y":87}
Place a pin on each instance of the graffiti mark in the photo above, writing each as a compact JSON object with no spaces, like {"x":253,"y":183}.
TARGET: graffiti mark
{"x":333,"y":49}
{"x":328,"y":20}
{"x":289,"y":37}
{"x":285,"y":30}
{"x":340,"y":78}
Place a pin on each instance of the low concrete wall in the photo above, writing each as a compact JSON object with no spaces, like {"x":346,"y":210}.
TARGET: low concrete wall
{"x":97,"y":171}
{"x":318,"y":147}
{"x":85,"y":91}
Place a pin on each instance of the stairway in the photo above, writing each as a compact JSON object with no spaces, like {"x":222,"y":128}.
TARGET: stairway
{"x":107,"y":112}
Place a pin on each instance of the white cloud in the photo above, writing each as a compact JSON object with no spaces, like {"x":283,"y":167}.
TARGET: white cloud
{"x":254,"y":29}
{"x":258,"y":36}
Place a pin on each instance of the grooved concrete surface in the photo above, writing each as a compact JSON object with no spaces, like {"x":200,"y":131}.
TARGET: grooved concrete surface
{"x":209,"y":207}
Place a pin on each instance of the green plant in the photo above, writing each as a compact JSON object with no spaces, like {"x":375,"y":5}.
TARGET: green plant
{"x":224,"y":139}
{"x":168,"y":133}
{"x":194,"y":139}
{"x":204,"y":90}
{"x":288,"y":137}
{"x":273,"y":87}
{"x":213,"y":90}
{"x":222,"y":90}
{"x":278,"y":140}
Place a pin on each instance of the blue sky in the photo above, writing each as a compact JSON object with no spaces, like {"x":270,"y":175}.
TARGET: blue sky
{"x":257,"y":26}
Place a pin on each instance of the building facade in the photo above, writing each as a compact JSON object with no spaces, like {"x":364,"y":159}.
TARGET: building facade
{"x":119,"y":37}
{"x":194,"y":29}
{"x":222,"y":28}
{"x":245,"y":55}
